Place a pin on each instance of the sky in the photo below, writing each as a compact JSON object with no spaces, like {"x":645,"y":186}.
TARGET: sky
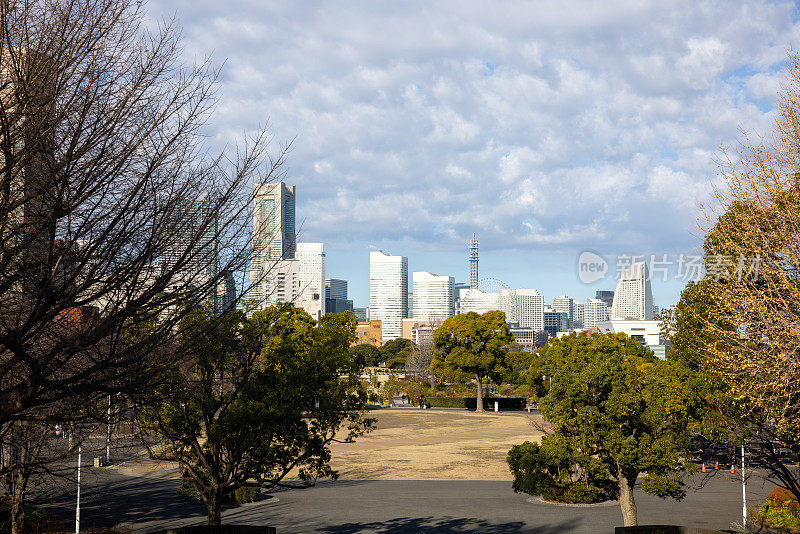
{"x":546,"y":128}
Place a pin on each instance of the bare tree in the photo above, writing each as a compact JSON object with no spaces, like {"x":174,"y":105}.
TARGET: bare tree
{"x":418,"y":363}
{"x":112,"y":211}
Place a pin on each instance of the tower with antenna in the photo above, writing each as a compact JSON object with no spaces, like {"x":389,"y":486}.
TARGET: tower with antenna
{"x":473,"y":262}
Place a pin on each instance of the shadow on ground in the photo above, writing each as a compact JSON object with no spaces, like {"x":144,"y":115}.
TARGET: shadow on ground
{"x":446,"y":525}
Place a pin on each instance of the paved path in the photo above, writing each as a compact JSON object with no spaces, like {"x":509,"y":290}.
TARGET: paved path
{"x":397,"y":506}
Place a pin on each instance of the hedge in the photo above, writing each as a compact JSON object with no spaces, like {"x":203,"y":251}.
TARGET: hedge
{"x":469,"y":403}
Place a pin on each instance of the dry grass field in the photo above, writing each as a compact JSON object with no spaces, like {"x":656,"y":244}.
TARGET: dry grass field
{"x":413,"y":444}
{"x":435,"y":444}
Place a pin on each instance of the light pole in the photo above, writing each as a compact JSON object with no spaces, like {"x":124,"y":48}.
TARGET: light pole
{"x":78,"y":502}
{"x":108,"y":433}
{"x":744,"y":494}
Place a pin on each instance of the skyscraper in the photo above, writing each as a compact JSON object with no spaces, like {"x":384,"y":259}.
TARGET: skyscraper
{"x":605,"y":296}
{"x":595,"y":312}
{"x":564,"y":304}
{"x":336,"y":300}
{"x":633,"y":298}
{"x":310,"y":258}
{"x":188,"y":245}
{"x":434,"y":296}
{"x":578,"y":310}
{"x":274,"y":235}
{"x":524,"y":307}
{"x":388,"y":292}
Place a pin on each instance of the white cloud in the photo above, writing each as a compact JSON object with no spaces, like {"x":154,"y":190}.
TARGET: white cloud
{"x":559,"y":125}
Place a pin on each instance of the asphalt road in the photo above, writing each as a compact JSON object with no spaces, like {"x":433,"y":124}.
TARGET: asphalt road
{"x":394,"y":507}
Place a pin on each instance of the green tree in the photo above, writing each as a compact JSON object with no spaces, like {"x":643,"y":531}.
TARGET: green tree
{"x":474,"y":345}
{"x":618,"y":412}
{"x":395,"y":352}
{"x":257,"y":400}
{"x":365,"y":355}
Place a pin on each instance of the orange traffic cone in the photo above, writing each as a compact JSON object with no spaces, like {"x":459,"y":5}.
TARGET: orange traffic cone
{"x":716,"y":466}
{"x":732,"y":469}
{"x":704,"y":468}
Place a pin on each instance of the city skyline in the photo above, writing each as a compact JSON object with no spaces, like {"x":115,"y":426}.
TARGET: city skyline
{"x":547,"y":130}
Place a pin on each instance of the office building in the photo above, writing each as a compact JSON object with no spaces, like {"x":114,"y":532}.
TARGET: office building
{"x":310,"y":258}
{"x":369,"y":332}
{"x":605,"y":296}
{"x":336,"y":300}
{"x":420,"y":331}
{"x":564,"y":304}
{"x":633,"y":298}
{"x":434,"y":296}
{"x":388,"y":292}
{"x":578,"y":309}
{"x":555,"y":321}
{"x":188,"y":247}
{"x":647,"y":332}
{"x":362,"y":314}
{"x":595,"y":311}
{"x":524,"y":307}
{"x":478,"y":301}
{"x":274,"y":237}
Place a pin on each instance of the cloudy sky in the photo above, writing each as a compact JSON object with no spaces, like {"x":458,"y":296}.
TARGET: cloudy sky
{"x":547,"y":128}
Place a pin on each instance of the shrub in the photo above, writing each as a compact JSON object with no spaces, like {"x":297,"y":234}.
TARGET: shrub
{"x":777,"y":515}
{"x":247,"y":494}
{"x":448,"y":402}
{"x":34,"y":516}
{"x":240,"y":496}
{"x":785,"y":498}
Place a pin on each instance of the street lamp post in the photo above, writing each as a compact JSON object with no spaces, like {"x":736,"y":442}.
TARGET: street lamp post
{"x":744,"y":494}
{"x":78,"y":501}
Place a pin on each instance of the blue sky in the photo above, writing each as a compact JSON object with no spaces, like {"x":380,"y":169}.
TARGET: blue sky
{"x":546,"y":129}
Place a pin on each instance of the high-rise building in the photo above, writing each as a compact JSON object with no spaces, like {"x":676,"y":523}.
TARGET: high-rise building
{"x":336,"y":300}
{"x":335,"y":288}
{"x":361,"y":314}
{"x":434,"y":296}
{"x":478,"y":301}
{"x":633,"y":298}
{"x":578,"y":309}
{"x":555,"y":321}
{"x":310,"y":258}
{"x":595,"y":311}
{"x":388,"y":292}
{"x":564,"y":304}
{"x":524,"y":307}
{"x":188,"y":246}
{"x":605,"y":296}
{"x":274,"y":237}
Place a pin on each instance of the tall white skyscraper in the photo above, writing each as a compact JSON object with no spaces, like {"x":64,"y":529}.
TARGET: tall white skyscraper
{"x":310,"y":258}
{"x":633,"y":298}
{"x":388,"y":292}
{"x":524,"y":307}
{"x":564,"y":304}
{"x":595,"y":311}
{"x":274,"y":237}
{"x":434,"y":296}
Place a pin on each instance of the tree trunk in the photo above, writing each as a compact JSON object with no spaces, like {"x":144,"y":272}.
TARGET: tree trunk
{"x":626,"y":502}
{"x":479,"y":397}
{"x":17,"y":514}
{"x":214,"y":505}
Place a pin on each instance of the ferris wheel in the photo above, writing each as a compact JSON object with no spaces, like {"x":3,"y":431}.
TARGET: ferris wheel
{"x":492,"y":285}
